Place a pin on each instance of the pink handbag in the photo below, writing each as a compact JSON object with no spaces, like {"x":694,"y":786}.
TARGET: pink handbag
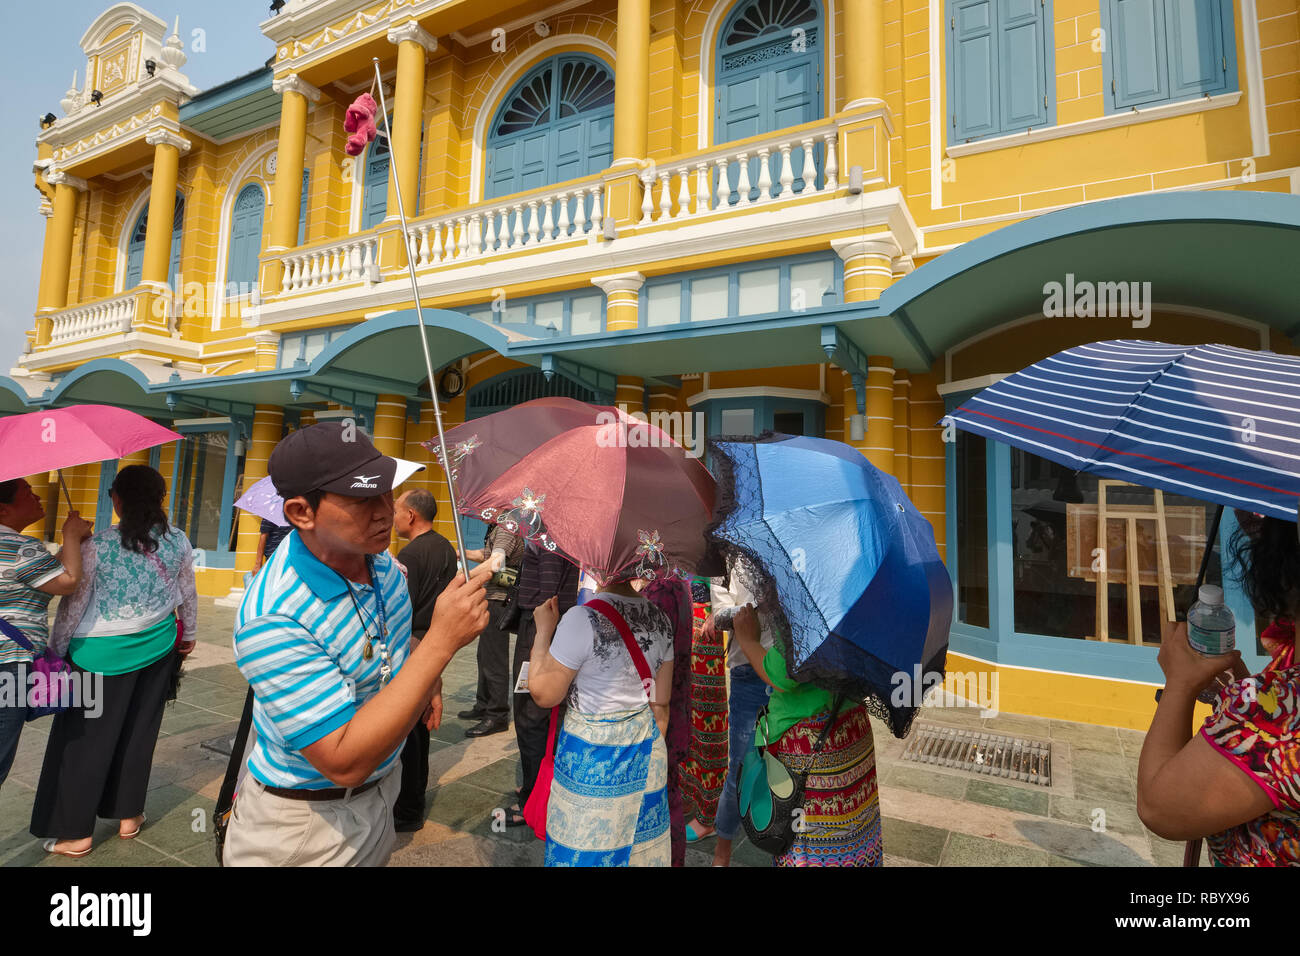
{"x":540,"y":797}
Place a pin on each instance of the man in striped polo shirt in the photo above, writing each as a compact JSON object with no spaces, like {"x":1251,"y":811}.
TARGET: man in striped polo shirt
{"x":29,"y":577}
{"x":323,"y":636}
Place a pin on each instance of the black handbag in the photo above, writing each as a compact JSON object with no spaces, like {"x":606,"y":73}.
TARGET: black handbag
{"x":771,"y":797}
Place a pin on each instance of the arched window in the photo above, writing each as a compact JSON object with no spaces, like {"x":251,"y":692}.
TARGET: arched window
{"x":374,"y":196}
{"x":556,"y":124}
{"x":246,"y":235}
{"x":769,"y":75}
{"x":135,"y":245}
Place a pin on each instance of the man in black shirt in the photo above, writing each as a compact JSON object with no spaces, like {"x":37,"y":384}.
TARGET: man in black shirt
{"x":430,"y":563}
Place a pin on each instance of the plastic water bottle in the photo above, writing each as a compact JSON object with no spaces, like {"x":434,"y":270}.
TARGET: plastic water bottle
{"x":1211,"y":628}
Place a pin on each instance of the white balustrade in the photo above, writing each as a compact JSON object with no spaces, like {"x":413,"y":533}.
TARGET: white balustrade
{"x":97,"y":318}
{"x":337,"y":264}
{"x":508,"y":226}
{"x":750,"y":176}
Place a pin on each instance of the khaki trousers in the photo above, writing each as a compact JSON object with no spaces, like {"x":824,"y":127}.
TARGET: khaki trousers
{"x":269,"y":830}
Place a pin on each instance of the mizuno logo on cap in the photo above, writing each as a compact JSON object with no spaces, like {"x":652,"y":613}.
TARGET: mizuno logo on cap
{"x":364,"y":481}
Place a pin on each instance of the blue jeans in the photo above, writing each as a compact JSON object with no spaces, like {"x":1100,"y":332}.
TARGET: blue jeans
{"x":12,"y":716}
{"x":749,"y":694}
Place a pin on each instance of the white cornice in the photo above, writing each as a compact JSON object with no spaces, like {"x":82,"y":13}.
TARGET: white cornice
{"x":634,"y":251}
{"x":293,"y":83}
{"x":165,"y":137}
{"x":57,"y":177}
{"x":510,"y":26}
{"x":410,"y":30}
{"x":110,"y":346}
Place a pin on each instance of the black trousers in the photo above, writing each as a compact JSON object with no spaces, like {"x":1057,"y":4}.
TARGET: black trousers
{"x":532,"y":723}
{"x":494,"y":686}
{"x":415,"y":774}
{"x":99,"y":766}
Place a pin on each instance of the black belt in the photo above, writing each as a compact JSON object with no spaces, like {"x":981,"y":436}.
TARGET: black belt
{"x":331,"y":793}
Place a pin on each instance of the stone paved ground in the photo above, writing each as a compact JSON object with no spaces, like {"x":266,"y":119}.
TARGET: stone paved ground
{"x":932,"y":816}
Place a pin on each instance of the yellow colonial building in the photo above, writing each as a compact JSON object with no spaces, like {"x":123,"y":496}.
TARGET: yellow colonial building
{"x":828,"y":217}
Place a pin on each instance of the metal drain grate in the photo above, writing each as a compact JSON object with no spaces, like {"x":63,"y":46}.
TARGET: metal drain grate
{"x":994,"y":755}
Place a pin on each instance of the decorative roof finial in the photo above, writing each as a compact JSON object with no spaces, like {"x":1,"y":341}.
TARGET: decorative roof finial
{"x":71,"y":99}
{"x":172,"y":54}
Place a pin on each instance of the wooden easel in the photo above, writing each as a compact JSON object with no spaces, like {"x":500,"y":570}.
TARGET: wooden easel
{"x":1164,"y":580}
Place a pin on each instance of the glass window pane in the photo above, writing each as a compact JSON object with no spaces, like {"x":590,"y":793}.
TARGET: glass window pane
{"x":664,"y":304}
{"x":315,"y":345}
{"x":1054,"y":527}
{"x":737,"y":421}
{"x":198,"y":497}
{"x":512,"y":314}
{"x":709,"y":298}
{"x":584,"y":315}
{"x":808,"y":282}
{"x":549,"y":313}
{"x":759,"y":291}
{"x":972,"y":531}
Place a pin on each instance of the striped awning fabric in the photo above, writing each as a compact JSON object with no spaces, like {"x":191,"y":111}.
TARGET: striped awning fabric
{"x":1213,"y":422}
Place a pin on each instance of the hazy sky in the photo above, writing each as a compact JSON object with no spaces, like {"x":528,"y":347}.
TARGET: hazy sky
{"x":42,"y":50}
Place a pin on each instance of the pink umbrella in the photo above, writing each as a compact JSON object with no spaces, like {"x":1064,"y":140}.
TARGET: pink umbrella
{"x":612,"y":493}
{"x":56,"y":438}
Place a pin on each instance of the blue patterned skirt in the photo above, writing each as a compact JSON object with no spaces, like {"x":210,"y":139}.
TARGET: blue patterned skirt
{"x":609,"y":805}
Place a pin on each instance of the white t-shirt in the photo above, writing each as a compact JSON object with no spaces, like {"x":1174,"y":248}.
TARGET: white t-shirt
{"x":585,"y":641}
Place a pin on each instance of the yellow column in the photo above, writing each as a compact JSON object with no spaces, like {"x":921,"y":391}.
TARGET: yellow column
{"x":864,"y":66}
{"x":267,"y":349}
{"x":902,"y":433}
{"x":928,"y":491}
{"x":868,"y":265}
{"x":389,"y":432}
{"x":167,"y":148}
{"x":879,"y":445}
{"x":631,"y":109}
{"x":621,"y":294}
{"x":268,"y":424}
{"x":56,"y":259}
{"x":41,"y":487}
{"x":413,"y":46}
{"x":286,"y":191}
{"x":629,"y":393}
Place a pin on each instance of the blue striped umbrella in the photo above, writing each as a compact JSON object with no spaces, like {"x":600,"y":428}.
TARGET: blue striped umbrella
{"x":1213,"y":422}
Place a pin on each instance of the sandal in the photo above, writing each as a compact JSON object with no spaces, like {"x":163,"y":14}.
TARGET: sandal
{"x":48,"y":847}
{"x":693,"y":837}
{"x":515,"y":817}
{"x":136,"y":832}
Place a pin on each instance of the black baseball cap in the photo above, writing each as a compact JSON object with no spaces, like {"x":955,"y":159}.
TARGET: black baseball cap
{"x":330,"y":457}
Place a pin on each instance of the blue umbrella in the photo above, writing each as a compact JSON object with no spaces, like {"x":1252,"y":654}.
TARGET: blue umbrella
{"x":845,"y":563}
{"x":1209,"y":421}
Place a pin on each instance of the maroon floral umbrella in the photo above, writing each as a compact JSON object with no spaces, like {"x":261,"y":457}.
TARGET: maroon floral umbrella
{"x":613,"y":494}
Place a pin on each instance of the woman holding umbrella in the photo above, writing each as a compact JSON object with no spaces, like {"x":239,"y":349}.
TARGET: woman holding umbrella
{"x":1237,"y":782}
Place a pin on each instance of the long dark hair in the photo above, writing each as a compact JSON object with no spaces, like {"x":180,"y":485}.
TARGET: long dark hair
{"x":1267,"y":556}
{"x":140,"y":491}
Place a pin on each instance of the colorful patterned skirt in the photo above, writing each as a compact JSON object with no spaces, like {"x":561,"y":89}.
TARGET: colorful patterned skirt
{"x":704,"y":771}
{"x":841,"y":823}
{"x":609,"y":805}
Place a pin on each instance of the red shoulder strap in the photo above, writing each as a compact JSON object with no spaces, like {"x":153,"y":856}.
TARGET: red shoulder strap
{"x":625,"y":632}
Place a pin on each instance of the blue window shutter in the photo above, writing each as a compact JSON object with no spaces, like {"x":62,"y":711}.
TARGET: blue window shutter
{"x":302,"y":208}
{"x":1138,"y":52}
{"x":742,"y":108}
{"x":134,"y":263}
{"x":178,"y":222}
{"x":375,"y":194}
{"x":570,"y":149}
{"x":246,"y":235}
{"x":534,"y":158}
{"x":1194,"y":29}
{"x":501,"y":169}
{"x":1023,"y":72}
{"x":973,"y":63}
